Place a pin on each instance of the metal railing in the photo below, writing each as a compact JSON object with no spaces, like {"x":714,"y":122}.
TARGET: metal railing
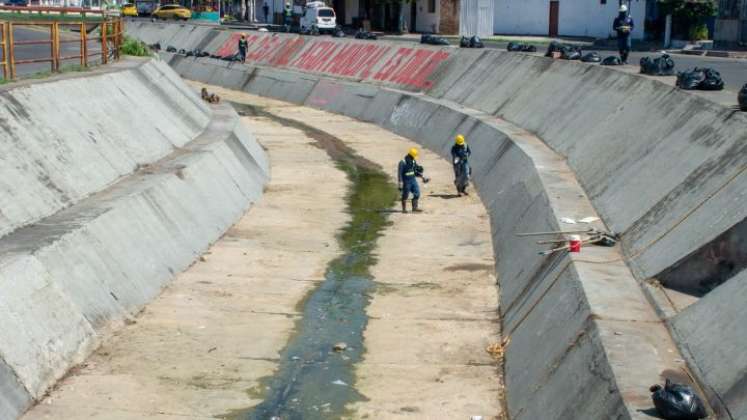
{"x":62,"y":30}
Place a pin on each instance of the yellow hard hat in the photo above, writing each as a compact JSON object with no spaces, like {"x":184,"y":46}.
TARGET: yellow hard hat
{"x":459,"y":139}
{"x":413,"y":153}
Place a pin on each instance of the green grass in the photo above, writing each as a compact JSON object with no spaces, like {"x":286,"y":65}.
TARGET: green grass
{"x":132,"y":46}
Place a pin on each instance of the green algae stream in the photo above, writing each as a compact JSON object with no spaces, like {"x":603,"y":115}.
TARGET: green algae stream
{"x":313,"y":381}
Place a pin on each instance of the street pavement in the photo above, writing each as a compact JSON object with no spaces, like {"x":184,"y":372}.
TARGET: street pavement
{"x":733,"y":70}
{"x":39,"y":51}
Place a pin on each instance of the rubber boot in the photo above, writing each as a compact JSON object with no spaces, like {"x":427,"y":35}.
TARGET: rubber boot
{"x":415,"y":208}
{"x":404,"y":206}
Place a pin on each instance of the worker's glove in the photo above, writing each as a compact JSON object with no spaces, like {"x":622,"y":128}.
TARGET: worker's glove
{"x":399,"y":186}
{"x":426,"y":180}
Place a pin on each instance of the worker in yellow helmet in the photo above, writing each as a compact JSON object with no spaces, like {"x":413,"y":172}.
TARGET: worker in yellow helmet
{"x":460,"y":154}
{"x":407,"y":175}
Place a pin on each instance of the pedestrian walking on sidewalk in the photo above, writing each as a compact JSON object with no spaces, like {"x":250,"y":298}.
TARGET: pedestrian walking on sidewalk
{"x":407,"y":181}
{"x":242,"y":48}
{"x":266,"y":10}
{"x":288,"y":17}
{"x":624,"y":25}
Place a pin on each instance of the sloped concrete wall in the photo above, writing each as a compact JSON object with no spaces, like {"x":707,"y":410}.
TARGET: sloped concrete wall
{"x":68,"y":278}
{"x":60,"y":145}
{"x":715,"y":335}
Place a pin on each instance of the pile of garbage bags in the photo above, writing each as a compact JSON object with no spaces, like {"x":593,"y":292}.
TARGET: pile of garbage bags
{"x":660,"y":66}
{"x":743,"y":98}
{"x":471,"y":42}
{"x":700,"y":78}
{"x":518,"y":46}
{"x":677,"y":402}
{"x":566,"y":51}
{"x":431,"y":39}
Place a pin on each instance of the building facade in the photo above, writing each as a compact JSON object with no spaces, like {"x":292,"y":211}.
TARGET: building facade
{"x":731,"y":23}
{"x":582,"y":18}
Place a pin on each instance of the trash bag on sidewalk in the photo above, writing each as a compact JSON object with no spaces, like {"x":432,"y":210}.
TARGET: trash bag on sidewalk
{"x":612,"y":60}
{"x":566,"y":51}
{"x":476,"y":42}
{"x":361,"y":34}
{"x":433,"y":40}
{"x":700,"y":78}
{"x":677,"y":402}
{"x":472,"y":42}
{"x":517,"y":46}
{"x":592,"y":57}
{"x":571,"y":52}
{"x":742,"y":98}
{"x":660,"y":66}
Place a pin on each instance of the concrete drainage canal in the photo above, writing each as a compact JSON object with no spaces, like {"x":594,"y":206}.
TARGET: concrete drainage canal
{"x":315,"y":377}
{"x":321,"y":302}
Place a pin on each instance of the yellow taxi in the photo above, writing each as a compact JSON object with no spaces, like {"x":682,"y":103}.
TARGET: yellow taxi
{"x":172,"y":11}
{"x":129,"y":9}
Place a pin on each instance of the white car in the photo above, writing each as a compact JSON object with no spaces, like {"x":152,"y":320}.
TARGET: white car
{"x":318,"y":18}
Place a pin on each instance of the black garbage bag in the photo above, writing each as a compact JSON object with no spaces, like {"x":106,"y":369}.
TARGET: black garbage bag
{"x":472,"y":42}
{"x":431,"y":39}
{"x":476,"y":42}
{"x":155,"y":47}
{"x":203,"y":53}
{"x":700,"y":78}
{"x":183,"y":51}
{"x":677,"y":402}
{"x":552,"y":48}
{"x":171,"y":49}
{"x":517,"y":46}
{"x":612,"y":60}
{"x":570,"y":52}
{"x":713,"y":80}
{"x":592,"y":57}
{"x":361,"y":34}
{"x":742,"y":98}
{"x":660,"y":66}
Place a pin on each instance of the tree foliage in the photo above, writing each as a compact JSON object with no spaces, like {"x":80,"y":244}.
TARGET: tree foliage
{"x":688,"y":10}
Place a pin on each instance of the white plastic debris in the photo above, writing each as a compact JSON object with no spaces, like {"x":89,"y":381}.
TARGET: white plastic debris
{"x":568,"y":220}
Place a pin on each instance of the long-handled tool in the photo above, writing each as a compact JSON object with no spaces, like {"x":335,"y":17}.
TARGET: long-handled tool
{"x":561,"y":232}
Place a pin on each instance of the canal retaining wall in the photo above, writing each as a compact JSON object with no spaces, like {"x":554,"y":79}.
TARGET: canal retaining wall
{"x":113,"y":182}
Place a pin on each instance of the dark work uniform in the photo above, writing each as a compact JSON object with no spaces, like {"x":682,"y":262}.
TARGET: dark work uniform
{"x":461,"y":152}
{"x":242,"y":49}
{"x":408,"y":172}
{"x":624,"y":39}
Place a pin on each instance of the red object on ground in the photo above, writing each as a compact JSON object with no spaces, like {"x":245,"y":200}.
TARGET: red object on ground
{"x":575,"y":244}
